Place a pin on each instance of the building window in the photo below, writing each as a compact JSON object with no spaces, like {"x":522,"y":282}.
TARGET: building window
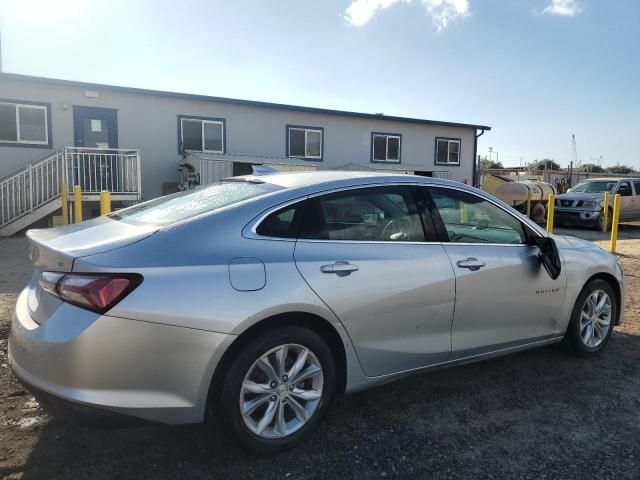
{"x":448,"y":151}
{"x":305,"y":142}
{"x":385,"y":147}
{"x":201,"y":134}
{"x":22,"y":123}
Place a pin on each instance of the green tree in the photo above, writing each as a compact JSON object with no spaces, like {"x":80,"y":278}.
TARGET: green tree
{"x":591,"y":167}
{"x":624,"y":169}
{"x":486,"y":164}
{"x":549,"y":163}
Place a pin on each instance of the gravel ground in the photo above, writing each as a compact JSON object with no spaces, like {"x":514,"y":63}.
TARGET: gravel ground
{"x":544,"y":413}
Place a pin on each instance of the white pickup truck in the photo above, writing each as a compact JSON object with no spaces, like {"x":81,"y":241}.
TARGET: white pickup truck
{"x":584,"y":203}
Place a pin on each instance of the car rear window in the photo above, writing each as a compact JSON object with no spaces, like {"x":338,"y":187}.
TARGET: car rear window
{"x":190,"y":203}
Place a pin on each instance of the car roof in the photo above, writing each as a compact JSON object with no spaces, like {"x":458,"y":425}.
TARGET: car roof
{"x":297,"y":184}
{"x":329,"y":178}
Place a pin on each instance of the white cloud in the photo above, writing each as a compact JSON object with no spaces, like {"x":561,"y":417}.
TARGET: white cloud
{"x":565,"y":8}
{"x":443,"y":12}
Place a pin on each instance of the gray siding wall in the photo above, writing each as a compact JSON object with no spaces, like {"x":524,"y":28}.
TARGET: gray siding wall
{"x":149,"y":123}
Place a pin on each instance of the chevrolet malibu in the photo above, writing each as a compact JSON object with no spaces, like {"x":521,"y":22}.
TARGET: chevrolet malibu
{"x":256,"y":300}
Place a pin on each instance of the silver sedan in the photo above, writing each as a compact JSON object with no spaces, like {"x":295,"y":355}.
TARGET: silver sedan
{"x":259,"y":299}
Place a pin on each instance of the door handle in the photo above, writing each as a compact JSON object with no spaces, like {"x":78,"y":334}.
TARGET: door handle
{"x":340,"y":268}
{"x":471,"y":263}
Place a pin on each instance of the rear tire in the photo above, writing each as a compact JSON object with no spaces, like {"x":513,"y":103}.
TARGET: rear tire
{"x":593,"y":318}
{"x":290,"y":408}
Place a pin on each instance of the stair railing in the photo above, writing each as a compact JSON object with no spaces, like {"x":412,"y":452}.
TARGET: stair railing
{"x":94,"y":170}
{"x":31,"y":186}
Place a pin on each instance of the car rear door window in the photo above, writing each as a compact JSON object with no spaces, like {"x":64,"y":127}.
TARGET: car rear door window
{"x":468,"y":218}
{"x":366,"y":214}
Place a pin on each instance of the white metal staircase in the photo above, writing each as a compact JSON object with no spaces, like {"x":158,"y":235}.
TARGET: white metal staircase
{"x":33,"y":191}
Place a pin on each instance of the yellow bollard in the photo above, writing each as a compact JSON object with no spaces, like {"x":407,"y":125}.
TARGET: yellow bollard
{"x":605,"y":212}
{"x":105,"y":202}
{"x":64,"y":194}
{"x":550,"y":209}
{"x":528,"y":203}
{"x":614,"y":222}
{"x":464,"y":213}
{"x":77,"y":204}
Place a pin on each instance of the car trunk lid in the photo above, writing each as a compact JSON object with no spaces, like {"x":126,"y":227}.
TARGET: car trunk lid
{"x":55,"y":249}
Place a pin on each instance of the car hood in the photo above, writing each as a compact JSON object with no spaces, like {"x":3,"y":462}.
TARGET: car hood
{"x":56,"y":248}
{"x":579,"y":196}
{"x":568,"y":241}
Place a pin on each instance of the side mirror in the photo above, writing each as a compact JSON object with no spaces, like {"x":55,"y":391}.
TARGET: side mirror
{"x":549,"y":256}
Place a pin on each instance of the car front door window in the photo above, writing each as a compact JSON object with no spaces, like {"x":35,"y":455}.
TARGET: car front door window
{"x":469,"y":218}
{"x":624,"y":189}
{"x":627,"y":203}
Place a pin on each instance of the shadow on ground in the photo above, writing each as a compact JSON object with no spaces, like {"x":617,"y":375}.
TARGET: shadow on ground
{"x":625,"y":231}
{"x":542,"y":413}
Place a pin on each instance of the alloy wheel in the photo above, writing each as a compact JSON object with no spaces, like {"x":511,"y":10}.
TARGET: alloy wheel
{"x":595,"y":318}
{"x":281,"y":391}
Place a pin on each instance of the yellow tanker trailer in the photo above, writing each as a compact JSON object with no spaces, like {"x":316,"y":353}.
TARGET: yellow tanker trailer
{"x":515,"y":194}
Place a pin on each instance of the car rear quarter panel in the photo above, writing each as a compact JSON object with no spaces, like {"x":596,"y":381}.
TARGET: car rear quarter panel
{"x":187,"y":280}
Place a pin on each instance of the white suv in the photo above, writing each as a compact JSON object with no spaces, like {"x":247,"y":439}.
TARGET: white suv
{"x":584,"y":203}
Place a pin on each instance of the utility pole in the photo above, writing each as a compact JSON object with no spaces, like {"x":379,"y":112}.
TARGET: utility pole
{"x":570,"y":174}
{"x":574,"y":158}
{"x":519,"y":170}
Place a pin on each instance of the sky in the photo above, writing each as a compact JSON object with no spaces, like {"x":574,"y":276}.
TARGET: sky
{"x":536,"y":71}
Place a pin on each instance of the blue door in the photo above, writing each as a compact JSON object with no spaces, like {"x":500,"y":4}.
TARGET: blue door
{"x":95,"y":127}
{"x":99,"y":167}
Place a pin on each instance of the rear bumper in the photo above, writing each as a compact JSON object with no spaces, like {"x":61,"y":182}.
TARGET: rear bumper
{"x":147,"y":370}
{"x":80,"y":414}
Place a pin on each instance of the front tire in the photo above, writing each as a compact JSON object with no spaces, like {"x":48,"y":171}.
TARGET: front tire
{"x":538,"y":213}
{"x":277,"y":389}
{"x":593,"y":318}
{"x":600,"y":222}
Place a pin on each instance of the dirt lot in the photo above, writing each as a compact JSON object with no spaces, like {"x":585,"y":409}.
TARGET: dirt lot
{"x":539,"y":414}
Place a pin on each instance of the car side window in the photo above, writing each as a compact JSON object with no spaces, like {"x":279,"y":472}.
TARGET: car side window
{"x":366,"y":214}
{"x":282,"y":223}
{"x":469,"y":218}
{"x":624,"y":189}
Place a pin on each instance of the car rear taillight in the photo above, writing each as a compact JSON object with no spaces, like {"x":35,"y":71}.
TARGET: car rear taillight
{"x":96,"y":292}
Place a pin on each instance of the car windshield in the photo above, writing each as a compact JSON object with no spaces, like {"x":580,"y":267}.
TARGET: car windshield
{"x":596,"y":187}
{"x":190,"y":203}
